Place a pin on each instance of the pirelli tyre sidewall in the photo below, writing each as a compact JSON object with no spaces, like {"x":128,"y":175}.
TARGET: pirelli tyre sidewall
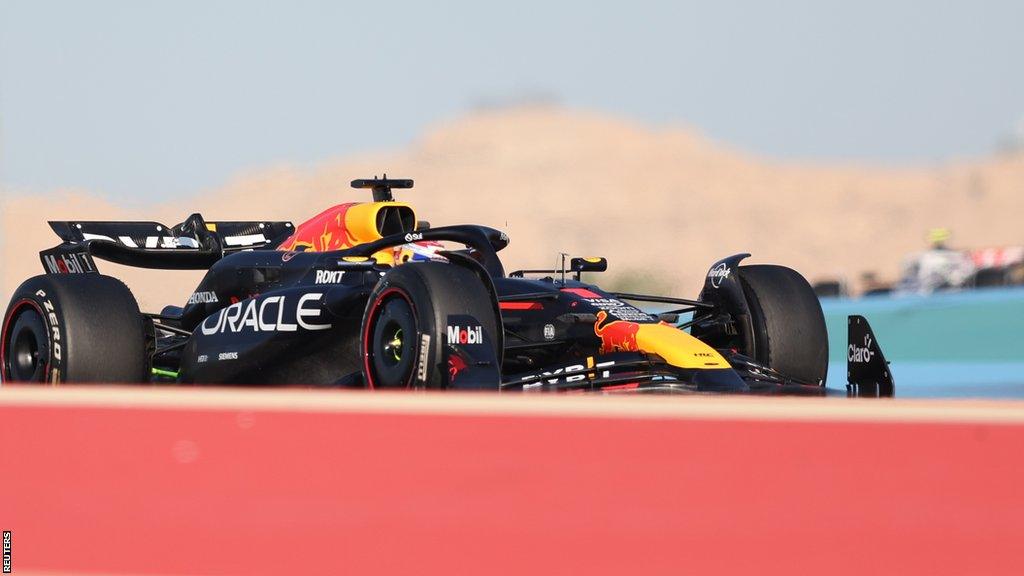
{"x":420,"y":297}
{"x":73,"y":328}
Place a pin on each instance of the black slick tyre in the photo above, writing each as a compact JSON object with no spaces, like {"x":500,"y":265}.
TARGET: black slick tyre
{"x":788,"y":325}
{"x":73,"y":328}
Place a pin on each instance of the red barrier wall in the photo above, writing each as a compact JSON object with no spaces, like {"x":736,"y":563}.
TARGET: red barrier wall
{"x":103,"y":482}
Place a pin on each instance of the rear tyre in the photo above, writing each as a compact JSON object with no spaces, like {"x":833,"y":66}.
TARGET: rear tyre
{"x":412,"y":301}
{"x":73,"y":328}
{"x":789,"y":332}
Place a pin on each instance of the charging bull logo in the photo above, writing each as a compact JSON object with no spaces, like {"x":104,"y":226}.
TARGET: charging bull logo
{"x":455,"y":365}
{"x":324,"y":232}
{"x":617,"y":335}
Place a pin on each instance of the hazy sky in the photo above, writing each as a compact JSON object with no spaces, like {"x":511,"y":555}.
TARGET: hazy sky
{"x":140,"y":99}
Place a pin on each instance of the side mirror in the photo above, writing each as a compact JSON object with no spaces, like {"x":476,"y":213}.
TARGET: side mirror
{"x":588,"y":265}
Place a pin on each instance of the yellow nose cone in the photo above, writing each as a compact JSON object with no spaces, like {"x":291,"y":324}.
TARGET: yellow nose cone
{"x":677,"y":347}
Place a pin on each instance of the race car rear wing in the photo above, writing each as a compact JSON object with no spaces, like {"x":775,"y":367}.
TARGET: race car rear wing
{"x":192,"y":245}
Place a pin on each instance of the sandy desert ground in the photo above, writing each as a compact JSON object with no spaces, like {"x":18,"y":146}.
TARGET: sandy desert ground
{"x":661,"y":204}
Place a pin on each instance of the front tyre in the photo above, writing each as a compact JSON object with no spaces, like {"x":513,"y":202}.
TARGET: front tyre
{"x":73,"y":328}
{"x":789,"y":332}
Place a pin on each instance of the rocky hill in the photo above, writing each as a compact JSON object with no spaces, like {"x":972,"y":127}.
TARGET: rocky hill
{"x":661,"y":204}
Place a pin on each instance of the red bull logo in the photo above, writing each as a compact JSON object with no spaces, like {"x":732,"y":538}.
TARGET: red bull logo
{"x":347,"y":225}
{"x":617,"y":335}
{"x":324,"y":232}
{"x":455,"y":365}
{"x":674,"y":345}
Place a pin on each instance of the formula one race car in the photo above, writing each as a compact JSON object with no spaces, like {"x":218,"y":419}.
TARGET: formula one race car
{"x":364,"y":295}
